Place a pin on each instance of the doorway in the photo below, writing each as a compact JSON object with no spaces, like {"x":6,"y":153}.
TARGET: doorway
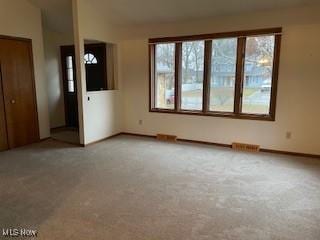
{"x":96,"y":77}
{"x":95,"y":60}
{"x":70,"y":132}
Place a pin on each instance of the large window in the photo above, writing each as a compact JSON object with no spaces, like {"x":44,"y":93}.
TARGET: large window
{"x":225,"y":74}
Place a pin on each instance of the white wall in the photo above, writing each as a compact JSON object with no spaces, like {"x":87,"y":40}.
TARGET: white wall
{"x":100,"y":117}
{"x":52,"y":42}
{"x":19,"y":18}
{"x":298,"y":90}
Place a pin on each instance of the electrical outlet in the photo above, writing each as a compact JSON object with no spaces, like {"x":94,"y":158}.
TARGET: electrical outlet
{"x":140,"y":122}
{"x":288,"y":135}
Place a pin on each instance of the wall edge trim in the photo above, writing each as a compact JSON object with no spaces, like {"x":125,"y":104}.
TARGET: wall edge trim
{"x":296,"y":154}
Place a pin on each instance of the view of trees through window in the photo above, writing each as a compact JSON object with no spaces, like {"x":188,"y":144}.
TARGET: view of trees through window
{"x":192,"y":75}
{"x":223,"y":74}
{"x":256,"y":74}
{"x":164,"y":75}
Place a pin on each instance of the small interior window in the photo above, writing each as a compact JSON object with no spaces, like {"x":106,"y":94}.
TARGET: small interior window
{"x":100,"y":65}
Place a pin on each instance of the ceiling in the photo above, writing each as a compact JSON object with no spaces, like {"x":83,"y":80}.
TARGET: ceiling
{"x":58,"y":14}
{"x":159,"y":11}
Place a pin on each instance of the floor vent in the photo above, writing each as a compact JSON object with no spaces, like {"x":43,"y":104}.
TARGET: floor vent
{"x":246,"y":147}
{"x":165,"y":137}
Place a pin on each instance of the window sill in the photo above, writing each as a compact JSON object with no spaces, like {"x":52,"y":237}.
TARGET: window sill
{"x":259,"y":117}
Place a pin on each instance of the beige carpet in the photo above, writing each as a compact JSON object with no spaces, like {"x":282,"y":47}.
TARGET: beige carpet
{"x":141,"y":189}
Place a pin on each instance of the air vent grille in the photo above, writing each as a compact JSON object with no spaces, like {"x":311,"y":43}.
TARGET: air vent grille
{"x":246,"y":147}
{"x":165,"y":137}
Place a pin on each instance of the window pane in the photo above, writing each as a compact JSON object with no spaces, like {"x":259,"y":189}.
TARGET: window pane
{"x":164,"y":76}
{"x":94,"y":61}
{"x":70,"y":74}
{"x":70,"y":86}
{"x":86,"y":58}
{"x":258,"y":74}
{"x":69,"y":62}
{"x":192,"y":75}
{"x":89,"y":58}
{"x":223,"y":74}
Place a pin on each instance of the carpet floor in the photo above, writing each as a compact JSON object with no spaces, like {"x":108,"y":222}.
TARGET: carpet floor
{"x":142,"y":189}
{"x":66,"y":135}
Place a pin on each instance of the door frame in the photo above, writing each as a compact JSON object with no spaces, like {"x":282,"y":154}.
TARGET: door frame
{"x":30,"y":47}
{"x":6,"y":144}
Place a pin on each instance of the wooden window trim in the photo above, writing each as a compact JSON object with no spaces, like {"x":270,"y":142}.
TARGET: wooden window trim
{"x":177,"y":77}
{"x":206,"y":76}
{"x":152,"y":50}
{"x":275,"y":76}
{"x":211,"y":36}
{"x":241,"y":36}
{"x":241,"y":45}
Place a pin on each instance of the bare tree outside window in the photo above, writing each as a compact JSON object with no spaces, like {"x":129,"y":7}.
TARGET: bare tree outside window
{"x":258,"y":74}
{"x":192,"y":75}
{"x":223,"y":73}
{"x":164,"y":77}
